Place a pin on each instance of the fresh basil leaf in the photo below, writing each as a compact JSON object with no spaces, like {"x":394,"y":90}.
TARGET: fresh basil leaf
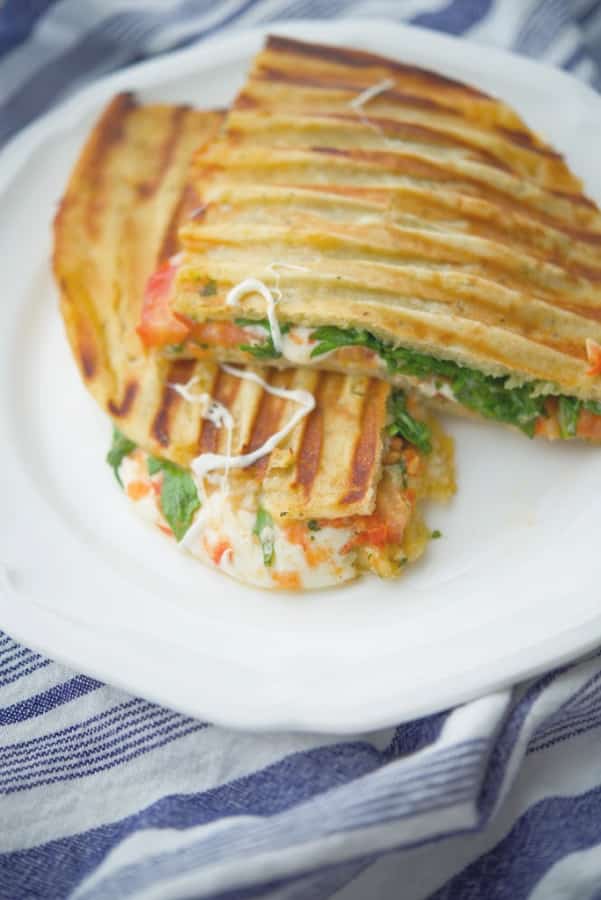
{"x":120,"y":448}
{"x":154,"y":465}
{"x":261,"y":351}
{"x":262,"y":522}
{"x":406,"y":426}
{"x":568,"y":412}
{"x":179,"y":495}
{"x":332,"y":338}
{"x":255,"y":323}
{"x":267,"y":349}
{"x":485,"y":394}
{"x":488,"y":396}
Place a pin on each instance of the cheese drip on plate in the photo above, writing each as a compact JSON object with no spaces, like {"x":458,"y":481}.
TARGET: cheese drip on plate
{"x":223,"y":535}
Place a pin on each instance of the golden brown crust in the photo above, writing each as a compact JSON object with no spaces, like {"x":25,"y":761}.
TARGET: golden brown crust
{"x":116,"y":223}
{"x":432,"y":214}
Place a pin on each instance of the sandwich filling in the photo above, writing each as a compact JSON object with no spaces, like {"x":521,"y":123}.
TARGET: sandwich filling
{"x":535,"y":407}
{"x":218,"y":508}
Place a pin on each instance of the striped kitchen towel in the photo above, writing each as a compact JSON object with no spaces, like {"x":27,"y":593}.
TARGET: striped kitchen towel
{"x":108,"y":796}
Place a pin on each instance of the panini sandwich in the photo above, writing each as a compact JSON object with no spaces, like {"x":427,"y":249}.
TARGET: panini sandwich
{"x":364,"y":216}
{"x":290,"y":478}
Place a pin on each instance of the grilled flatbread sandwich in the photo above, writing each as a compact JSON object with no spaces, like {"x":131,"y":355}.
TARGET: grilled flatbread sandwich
{"x":283,"y":479}
{"x":365,"y":216}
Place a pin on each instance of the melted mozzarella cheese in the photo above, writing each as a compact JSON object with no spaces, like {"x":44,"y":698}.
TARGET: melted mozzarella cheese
{"x":369,"y":93}
{"x":254,"y":286}
{"x":213,"y":411}
{"x":224,"y":524}
{"x":433,"y":388}
{"x":297,"y":346}
{"x":222,"y":536}
{"x":358,"y":102}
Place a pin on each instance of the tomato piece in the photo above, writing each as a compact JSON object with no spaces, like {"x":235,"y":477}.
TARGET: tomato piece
{"x":220,"y":334}
{"x":159,"y":325}
{"x":138,"y":489}
{"x":369,"y":530}
{"x":413,"y":460}
{"x":373,"y":531}
{"x":219,"y":550}
{"x":340,"y":522}
{"x":547,"y":427}
{"x":593,"y":354}
{"x":589,"y":426}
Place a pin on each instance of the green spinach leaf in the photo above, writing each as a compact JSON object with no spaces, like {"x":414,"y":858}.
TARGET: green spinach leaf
{"x":179,"y":495}
{"x":406,"y":426}
{"x":264,"y":531}
{"x":120,"y":448}
{"x":485,"y":394}
{"x":568,"y":412}
{"x":267,"y":349}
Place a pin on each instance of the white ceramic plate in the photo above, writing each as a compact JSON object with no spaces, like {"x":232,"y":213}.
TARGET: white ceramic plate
{"x":512,"y":588}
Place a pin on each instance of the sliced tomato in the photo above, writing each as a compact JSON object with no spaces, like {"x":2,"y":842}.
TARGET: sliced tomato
{"x":593,"y":354}
{"x":159,"y":325}
{"x":413,"y":460}
{"x":219,"y":550}
{"x":138,"y":489}
{"x":547,"y":427}
{"x":373,"y":531}
{"x":589,"y":426}
{"x":220,"y":334}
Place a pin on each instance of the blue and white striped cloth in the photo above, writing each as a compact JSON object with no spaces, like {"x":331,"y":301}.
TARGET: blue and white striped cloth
{"x":107,"y":796}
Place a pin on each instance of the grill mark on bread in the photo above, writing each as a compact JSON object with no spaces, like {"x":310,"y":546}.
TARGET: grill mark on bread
{"x":188,"y":202}
{"x":87,"y":351}
{"x":410,"y":163}
{"x":178,"y":373}
{"x":123,"y":408}
{"x":267,"y":421}
{"x":362,"y":59}
{"x":147,"y":189}
{"x":107,"y":135}
{"x":417,"y":101}
{"x":413,"y":131}
{"x":367,"y":444}
{"x":309,"y":451}
{"x":527,"y":140}
{"x":224,"y":390}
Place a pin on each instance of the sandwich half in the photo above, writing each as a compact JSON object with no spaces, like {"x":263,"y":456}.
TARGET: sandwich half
{"x":291,"y":478}
{"x":365,"y":216}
